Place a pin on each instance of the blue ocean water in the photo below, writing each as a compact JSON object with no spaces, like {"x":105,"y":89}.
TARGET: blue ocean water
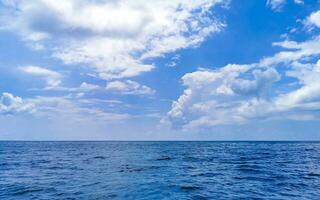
{"x":159,"y":170}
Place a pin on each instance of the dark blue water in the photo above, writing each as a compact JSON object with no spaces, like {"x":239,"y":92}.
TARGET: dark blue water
{"x":159,"y":170}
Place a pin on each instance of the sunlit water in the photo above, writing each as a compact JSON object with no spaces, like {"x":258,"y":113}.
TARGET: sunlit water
{"x":159,"y":170}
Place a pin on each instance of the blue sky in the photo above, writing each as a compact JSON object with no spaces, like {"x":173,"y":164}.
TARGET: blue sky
{"x":159,"y":70}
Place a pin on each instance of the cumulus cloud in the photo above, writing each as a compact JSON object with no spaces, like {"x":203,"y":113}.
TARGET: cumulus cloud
{"x":240,"y":93}
{"x":309,"y":92}
{"x":314,"y":19}
{"x":259,"y":85}
{"x":113,"y":37}
{"x":52,"y":78}
{"x":225,"y":96}
{"x":129,"y":87}
{"x":221,"y":96}
{"x":10,"y":104}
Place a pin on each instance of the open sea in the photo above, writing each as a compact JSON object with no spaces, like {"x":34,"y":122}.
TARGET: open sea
{"x":159,"y":170}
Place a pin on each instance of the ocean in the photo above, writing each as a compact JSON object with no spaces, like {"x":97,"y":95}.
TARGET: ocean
{"x":159,"y":170}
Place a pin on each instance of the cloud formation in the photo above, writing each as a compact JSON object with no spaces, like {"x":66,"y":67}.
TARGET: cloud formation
{"x":88,"y":87}
{"x":314,"y":19}
{"x":52,"y":78}
{"x":115,"y":38}
{"x":242,"y":93}
{"x":277,"y":5}
{"x":129,"y":87}
{"x":10,"y":104}
{"x":60,"y":107}
{"x":75,"y":110}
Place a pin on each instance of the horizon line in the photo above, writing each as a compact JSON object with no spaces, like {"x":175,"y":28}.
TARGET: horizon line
{"x":293,"y":140}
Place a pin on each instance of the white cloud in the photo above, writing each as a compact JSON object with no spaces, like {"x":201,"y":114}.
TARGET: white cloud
{"x":129,"y":87}
{"x":309,"y":92}
{"x":66,"y":108}
{"x":259,"y":85}
{"x":219,"y":97}
{"x":294,"y":52}
{"x":173,"y":61}
{"x":74,"y":110}
{"x":88,"y":87}
{"x":240,"y":93}
{"x":52,"y":78}
{"x":314,"y":19}
{"x":113,"y":37}
{"x":276,"y":4}
{"x":10,"y":104}
{"x":298,"y":1}
{"x":224,"y":96}
{"x":83,"y":87}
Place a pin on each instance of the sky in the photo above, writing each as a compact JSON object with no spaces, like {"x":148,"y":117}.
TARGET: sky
{"x":159,"y":70}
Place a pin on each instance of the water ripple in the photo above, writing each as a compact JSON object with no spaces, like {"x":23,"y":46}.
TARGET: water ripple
{"x":159,"y":170}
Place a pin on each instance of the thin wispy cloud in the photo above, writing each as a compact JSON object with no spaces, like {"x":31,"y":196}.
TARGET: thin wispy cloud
{"x":52,"y":78}
{"x":129,"y":87}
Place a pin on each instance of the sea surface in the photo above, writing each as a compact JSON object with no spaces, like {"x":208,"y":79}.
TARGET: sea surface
{"x":159,"y":170}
